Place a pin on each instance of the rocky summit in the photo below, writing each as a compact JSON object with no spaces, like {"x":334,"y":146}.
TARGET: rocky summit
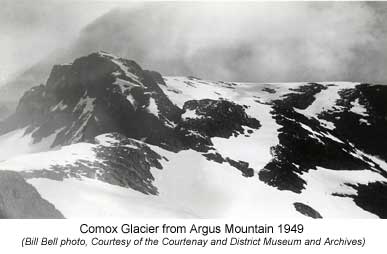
{"x":105,"y":138}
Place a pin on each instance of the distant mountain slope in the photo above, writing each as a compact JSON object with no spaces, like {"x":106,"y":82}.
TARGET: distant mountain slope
{"x":115,"y":140}
{"x":36,"y":74}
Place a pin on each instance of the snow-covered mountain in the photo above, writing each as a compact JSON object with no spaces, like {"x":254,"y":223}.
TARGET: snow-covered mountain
{"x":103,"y":137}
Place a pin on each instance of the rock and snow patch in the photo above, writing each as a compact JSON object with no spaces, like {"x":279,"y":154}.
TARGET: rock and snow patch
{"x":126,"y":71}
{"x":65,"y":156}
{"x":322,"y":183}
{"x":358,"y":109}
{"x":124,"y":85}
{"x":122,"y":66}
{"x":132,"y":101}
{"x":17,"y":143}
{"x":325,"y":101}
{"x":255,"y":148}
{"x":86,"y":104}
{"x":153,"y":108}
{"x":106,"y":140}
{"x":190,"y":114}
{"x":60,"y":106}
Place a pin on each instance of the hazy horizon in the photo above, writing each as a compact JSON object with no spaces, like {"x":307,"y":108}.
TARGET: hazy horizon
{"x":256,"y":42}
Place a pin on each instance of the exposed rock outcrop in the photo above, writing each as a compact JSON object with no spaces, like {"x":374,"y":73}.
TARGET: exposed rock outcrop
{"x":204,"y":119}
{"x":307,"y":210}
{"x":20,"y":200}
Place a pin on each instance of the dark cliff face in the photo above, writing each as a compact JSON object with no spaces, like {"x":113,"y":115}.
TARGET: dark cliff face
{"x":301,"y":150}
{"x":20,"y":200}
{"x":367,"y":131}
{"x":97,"y":94}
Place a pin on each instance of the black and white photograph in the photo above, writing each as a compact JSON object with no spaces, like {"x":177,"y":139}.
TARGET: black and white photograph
{"x":193,"y":110}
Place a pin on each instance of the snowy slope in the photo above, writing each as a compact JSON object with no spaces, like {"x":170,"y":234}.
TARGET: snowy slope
{"x":185,"y":147}
{"x":17,"y":142}
{"x":255,"y":148}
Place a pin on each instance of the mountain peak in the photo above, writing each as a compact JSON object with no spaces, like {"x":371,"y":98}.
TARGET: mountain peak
{"x":97,"y":93}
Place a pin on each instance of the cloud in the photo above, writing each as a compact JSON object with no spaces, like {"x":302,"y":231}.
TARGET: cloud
{"x":246,"y":41}
{"x":30,"y":30}
{"x":292,"y":41}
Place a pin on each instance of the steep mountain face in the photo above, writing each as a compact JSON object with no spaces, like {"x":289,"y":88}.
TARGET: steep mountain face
{"x":118,"y":140}
{"x":96,"y":94}
{"x":19,"y":199}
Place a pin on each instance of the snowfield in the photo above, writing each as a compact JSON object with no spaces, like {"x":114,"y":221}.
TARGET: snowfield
{"x":188,"y":184}
{"x":16,"y":143}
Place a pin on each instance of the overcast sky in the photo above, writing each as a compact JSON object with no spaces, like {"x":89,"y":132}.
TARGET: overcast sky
{"x":236,"y":42}
{"x":31,"y":29}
